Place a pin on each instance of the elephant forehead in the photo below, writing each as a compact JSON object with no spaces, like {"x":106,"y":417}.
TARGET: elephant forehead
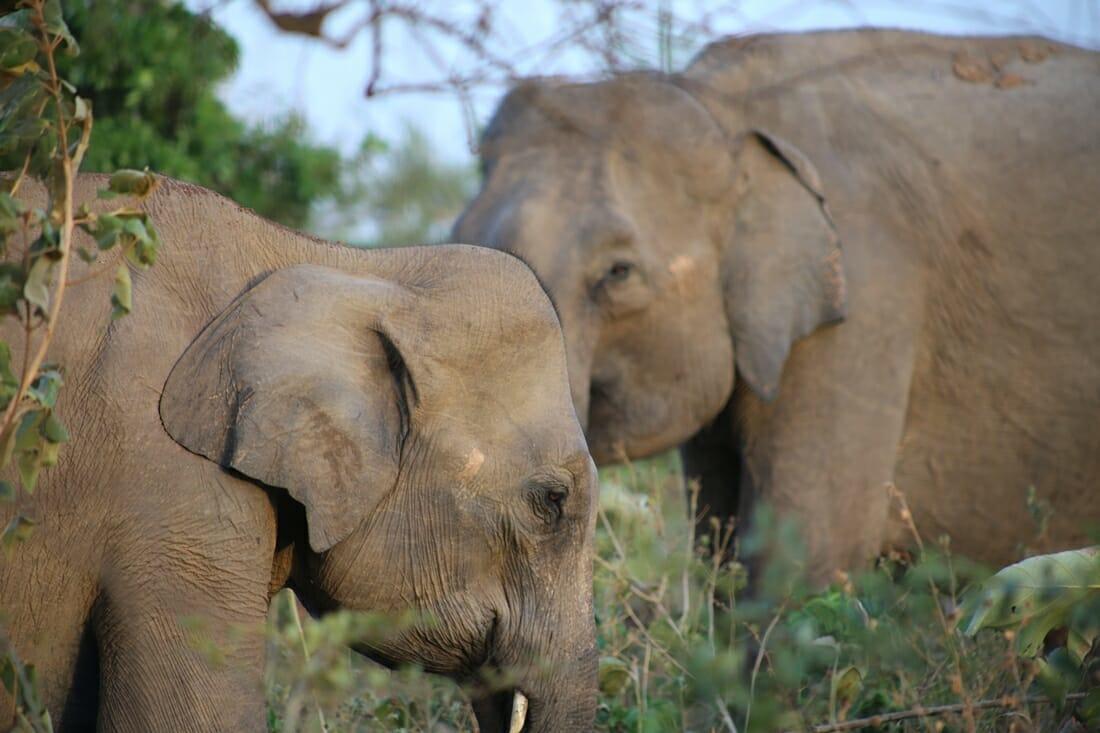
{"x":646,"y":117}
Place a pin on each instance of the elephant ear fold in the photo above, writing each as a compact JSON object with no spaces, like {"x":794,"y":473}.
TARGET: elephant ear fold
{"x":300,"y":384}
{"x":784,"y":276}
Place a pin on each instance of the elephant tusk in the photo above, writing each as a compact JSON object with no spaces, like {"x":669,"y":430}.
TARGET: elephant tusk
{"x":519,"y":712}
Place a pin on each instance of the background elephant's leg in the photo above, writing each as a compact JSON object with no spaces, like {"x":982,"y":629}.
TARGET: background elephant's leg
{"x":712,"y":458}
{"x":824,"y":452}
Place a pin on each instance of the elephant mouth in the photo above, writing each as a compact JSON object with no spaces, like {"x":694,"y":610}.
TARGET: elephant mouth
{"x":501,"y":712}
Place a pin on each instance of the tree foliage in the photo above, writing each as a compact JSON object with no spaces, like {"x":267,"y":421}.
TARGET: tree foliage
{"x":151,"y":70}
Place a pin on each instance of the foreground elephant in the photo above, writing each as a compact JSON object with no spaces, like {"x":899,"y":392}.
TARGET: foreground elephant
{"x":689,"y":227}
{"x":381,"y":430}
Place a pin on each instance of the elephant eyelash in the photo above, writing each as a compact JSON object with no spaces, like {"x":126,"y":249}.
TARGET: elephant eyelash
{"x":403,"y":382}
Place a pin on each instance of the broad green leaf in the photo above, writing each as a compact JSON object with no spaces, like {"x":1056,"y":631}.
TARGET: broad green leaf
{"x":1035,"y":595}
{"x":37,"y":288}
{"x":133,"y":183}
{"x":17,"y":47}
{"x":44,"y":389}
{"x":18,"y":530}
{"x":121,"y":293}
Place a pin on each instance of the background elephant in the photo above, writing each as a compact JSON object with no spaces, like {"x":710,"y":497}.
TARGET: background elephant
{"x":382,"y":430}
{"x":689,"y":227}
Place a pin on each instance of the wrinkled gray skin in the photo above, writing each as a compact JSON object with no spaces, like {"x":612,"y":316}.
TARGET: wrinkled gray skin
{"x":892,"y":239}
{"x":381,"y":430}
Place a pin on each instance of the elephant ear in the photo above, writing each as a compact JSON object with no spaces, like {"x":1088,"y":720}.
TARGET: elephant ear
{"x":300,"y":384}
{"x":782,"y":264}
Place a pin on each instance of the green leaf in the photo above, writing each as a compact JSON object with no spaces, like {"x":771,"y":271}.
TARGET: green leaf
{"x":121,"y":293}
{"x":20,"y":99}
{"x":11,"y":214}
{"x":613,"y":676}
{"x":20,"y":135}
{"x":19,"y":529}
{"x":9,"y":385}
{"x":1089,"y":709}
{"x":1035,"y":596}
{"x":106,"y":229}
{"x":29,"y":464}
{"x":847,"y":684}
{"x":55,"y":24}
{"x":37,"y":288}
{"x":45,"y":388}
{"x":7,"y":673}
{"x":146,"y":243}
{"x":7,"y":491}
{"x":17,"y":47}
{"x":11,"y":287}
{"x":20,"y":20}
{"x":48,"y":454}
{"x":1058,"y":675}
{"x":132,"y":182}
{"x":53,"y":430}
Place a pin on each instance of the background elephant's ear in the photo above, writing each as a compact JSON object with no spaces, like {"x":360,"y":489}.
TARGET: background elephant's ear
{"x":300,"y":384}
{"x":782,"y":263}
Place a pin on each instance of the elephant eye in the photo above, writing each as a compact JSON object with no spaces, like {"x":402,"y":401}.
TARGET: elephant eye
{"x":618,"y":272}
{"x":549,"y":501}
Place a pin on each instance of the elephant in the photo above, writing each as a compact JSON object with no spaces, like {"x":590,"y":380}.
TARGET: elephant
{"x":826,"y":265}
{"x":385,"y":430}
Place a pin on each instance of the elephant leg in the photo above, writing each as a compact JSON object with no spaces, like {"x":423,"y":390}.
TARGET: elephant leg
{"x":47,"y":590}
{"x":180,"y":625}
{"x":823,"y":454}
{"x":182,"y":664}
{"x":712,"y":462}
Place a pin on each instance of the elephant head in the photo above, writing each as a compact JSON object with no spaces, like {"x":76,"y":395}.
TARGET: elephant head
{"x":423,"y":428}
{"x":676,"y":254}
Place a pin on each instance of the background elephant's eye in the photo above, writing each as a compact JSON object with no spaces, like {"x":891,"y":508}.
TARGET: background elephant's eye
{"x":618,"y":272}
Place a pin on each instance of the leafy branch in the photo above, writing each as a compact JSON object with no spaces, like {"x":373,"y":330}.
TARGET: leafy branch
{"x":45,"y":129}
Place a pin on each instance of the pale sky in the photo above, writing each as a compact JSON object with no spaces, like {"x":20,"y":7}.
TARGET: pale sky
{"x":280,"y":72}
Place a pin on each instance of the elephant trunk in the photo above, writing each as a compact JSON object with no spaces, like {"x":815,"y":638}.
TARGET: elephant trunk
{"x":555,"y":692}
